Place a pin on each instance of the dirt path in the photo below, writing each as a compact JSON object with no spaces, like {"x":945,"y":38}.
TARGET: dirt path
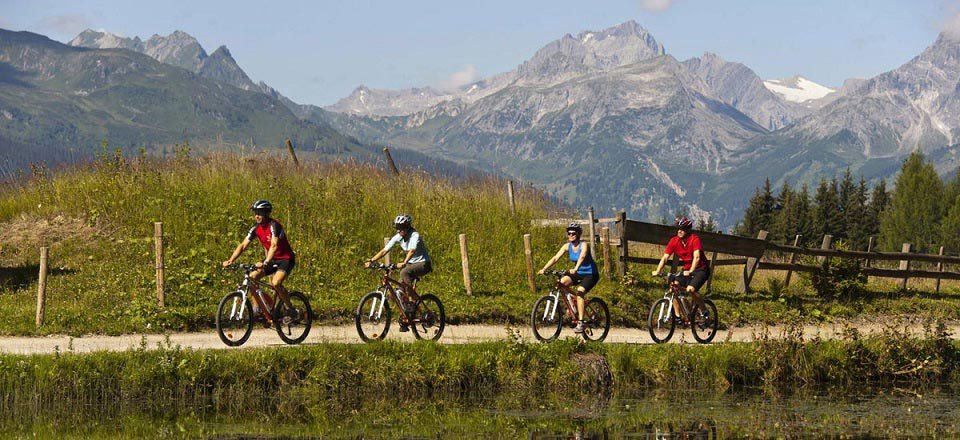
{"x":458,"y":334}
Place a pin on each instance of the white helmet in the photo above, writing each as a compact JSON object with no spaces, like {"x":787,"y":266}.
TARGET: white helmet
{"x":403,"y":221}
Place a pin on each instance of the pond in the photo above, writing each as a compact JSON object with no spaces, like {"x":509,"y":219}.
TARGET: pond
{"x":867,"y":412}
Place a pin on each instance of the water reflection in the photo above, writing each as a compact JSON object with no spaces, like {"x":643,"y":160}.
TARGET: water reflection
{"x":883,"y":412}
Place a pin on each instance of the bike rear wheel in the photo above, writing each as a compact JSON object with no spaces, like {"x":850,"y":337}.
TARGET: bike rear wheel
{"x":234,"y":319}
{"x":596,"y":320}
{"x":429,"y":318}
{"x":546,"y":318}
{"x":373,"y":317}
{"x":660,"y":321}
{"x":705,"y":322}
{"x":293,"y":325}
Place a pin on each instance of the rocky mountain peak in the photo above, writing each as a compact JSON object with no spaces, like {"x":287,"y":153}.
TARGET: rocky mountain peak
{"x":620,"y":45}
{"x":105,"y":40}
{"x":179,"y":49}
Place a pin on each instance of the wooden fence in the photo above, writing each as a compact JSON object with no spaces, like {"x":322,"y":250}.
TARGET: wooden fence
{"x":750,"y":252}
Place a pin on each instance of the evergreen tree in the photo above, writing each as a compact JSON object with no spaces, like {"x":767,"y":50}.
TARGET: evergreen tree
{"x":879,"y":199}
{"x":827,"y":216}
{"x":805,"y":221}
{"x":952,"y":189}
{"x":950,"y":227}
{"x":758,"y":213}
{"x":783,"y":223}
{"x":916,"y":207}
{"x":856,"y":215}
{"x":846,"y":190}
{"x":706,"y":225}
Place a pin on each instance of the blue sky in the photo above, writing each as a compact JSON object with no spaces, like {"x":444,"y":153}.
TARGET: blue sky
{"x":318,"y":52}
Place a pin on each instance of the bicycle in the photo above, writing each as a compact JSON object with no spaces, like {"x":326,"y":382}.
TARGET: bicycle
{"x":235,"y":319}
{"x":663,"y":319}
{"x":423,"y":313}
{"x":546,"y":322}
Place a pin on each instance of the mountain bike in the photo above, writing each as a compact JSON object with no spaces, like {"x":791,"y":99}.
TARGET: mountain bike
{"x":663,"y":317}
{"x":235,"y":314}
{"x":422,"y":313}
{"x":546,"y":320}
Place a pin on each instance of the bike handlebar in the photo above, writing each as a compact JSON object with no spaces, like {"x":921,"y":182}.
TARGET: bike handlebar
{"x":390,"y":266}
{"x":556,"y":273}
{"x":245,"y":267}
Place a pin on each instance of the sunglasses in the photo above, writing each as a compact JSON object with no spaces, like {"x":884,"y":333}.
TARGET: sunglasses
{"x":572,"y":233}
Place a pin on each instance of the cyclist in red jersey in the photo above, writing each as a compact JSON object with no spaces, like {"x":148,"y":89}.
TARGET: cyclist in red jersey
{"x":280,"y":259}
{"x":696,"y":270}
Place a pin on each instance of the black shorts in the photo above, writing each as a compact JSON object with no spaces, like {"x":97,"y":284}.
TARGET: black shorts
{"x":696,"y":278}
{"x":587,"y":281}
{"x":278,"y":265}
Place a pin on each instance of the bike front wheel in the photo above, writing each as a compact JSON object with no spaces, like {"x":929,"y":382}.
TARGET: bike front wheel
{"x":705,"y":322}
{"x":546,"y":318}
{"x":429,"y":319}
{"x":596,"y":320}
{"x":234,"y":319}
{"x":293,"y":325}
{"x":660,"y":321}
{"x":373,"y":317}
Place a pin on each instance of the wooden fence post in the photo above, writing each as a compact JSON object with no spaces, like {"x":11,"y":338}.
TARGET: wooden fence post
{"x":713,"y":268}
{"x":465,"y":262}
{"x":869,"y":249}
{"x":792,"y":260}
{"x":593,"y":232}
{"x":386,"y":256}
{"x":513,"y":205}
{"x":939,"y":271}
{"x":528,"y":256}
{"x":825,"y":245}
{"x":393,"y":165}
{"x":624,"y":244}
{"x":158,"y":240}
{"x":743,"y":286}
{"x":293,"y":154}
{"x":42,"y":287}
{"x":905,"y":265}
{"x":605,"y":242}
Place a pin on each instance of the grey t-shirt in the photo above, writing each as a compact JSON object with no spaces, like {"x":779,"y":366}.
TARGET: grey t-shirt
{"x":413,"y":242}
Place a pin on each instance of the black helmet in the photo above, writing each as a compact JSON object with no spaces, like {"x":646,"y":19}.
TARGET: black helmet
{"x":575,"y":227}
{"x":261,"y":207}
{"x":402,"y":221}
{"x":684,"y":224}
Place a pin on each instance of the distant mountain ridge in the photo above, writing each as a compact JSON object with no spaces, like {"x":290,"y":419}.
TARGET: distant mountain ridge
{"x":59,"y":103}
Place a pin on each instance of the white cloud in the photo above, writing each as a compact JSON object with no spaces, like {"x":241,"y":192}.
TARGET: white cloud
{"x":65,"y":24}
{"x":461,"y":78}
{"x":656,"y":5}
{"x":951,"y":27}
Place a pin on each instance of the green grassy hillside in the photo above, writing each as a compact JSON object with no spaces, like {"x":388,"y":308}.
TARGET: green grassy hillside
{"x":99,"y":220}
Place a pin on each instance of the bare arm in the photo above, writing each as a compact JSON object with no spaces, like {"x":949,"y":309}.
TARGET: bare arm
{"x":693,"y":265}
{"x":553,"y":260}
{"x":274,"y":242}
{"x":236,"y":252}
{"x":663,"y":261}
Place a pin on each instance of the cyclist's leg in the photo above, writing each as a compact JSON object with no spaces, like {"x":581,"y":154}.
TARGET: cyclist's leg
{"x":585,"y":285}
{"x":697,"y":279}
{"x":280,"y":271}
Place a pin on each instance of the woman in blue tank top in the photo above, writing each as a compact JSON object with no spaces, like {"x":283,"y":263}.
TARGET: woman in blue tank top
{"x":584,"y":273}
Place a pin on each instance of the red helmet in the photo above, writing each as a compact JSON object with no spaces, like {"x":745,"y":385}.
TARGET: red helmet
{"x":684,"y":223}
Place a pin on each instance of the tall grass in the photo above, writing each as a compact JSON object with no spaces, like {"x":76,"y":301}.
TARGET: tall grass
{"x":336,"y":216}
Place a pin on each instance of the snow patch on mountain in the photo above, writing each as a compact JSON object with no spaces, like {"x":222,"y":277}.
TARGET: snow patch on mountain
{"x":797,"y":89}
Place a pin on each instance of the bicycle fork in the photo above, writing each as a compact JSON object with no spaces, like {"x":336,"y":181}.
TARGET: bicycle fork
{"x":550,"y":312}
{"x":376,"y":308}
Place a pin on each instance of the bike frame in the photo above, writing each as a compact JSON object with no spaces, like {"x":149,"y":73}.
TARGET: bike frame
{"x":391,"y":285}
{"x":676,"y":295}
{"x":248,"y":286}
{"x":559,"y":288}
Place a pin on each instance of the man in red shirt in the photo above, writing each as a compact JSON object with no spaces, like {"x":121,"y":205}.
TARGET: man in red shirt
{"x":696,"y":270}
{"x":280,"y":258}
